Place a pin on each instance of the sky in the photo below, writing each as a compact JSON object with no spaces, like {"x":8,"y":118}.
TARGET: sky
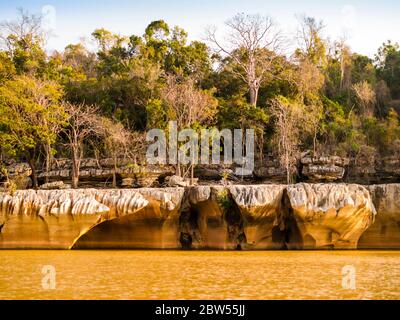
{"x":366,"y":23}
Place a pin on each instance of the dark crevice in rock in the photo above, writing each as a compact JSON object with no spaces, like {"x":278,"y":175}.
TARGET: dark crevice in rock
{"x":279,"y":237}
{"x":189,"y":228}
{"x":292,"y":235}
{"x":284,"y":236}
{"x":234,"y":219}
{"x":186,"y":240}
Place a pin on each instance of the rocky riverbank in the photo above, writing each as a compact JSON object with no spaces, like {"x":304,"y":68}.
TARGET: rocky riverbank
{"x":248,"y":217}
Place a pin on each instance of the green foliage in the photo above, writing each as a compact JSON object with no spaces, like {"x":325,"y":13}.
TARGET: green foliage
{"x":7,"y":68}
{"x":156,"y":114}
{"x":143,"y":81}
{"x":237,"y":113}
{"x":388,"y":60}
{"x":29,"y":110}
{"x":224,"y":201}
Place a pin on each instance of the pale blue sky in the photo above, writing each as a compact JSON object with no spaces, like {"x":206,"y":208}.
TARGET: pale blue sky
{"x":367,"y":23}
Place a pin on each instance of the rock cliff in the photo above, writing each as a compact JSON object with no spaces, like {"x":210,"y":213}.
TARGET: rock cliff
{"x":59,"y":218}
{"x":385,"y":232}
{"x":330,"y":215}
{"x":260,"y":208}
{"x":249,"y":217}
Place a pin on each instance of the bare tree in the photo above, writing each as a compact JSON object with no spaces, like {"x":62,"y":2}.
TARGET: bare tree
{"x":82,"y":122}
{"x":308,"y":78}
{"x":311,"y":43}
{"x":344,"y":53}
{"x":253,"y":43}
{"x":27,"y":27}
{"x":120,"y":143}
{"x":366,"y":97}
{"x":287,"y":134}
{"x":187,"y":105}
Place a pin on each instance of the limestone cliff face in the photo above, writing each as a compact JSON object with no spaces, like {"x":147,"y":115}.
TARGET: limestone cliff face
{"x":202,"y":221}
{"x":230,"y":217}
{"x":385,"y":232}
{"x":330,"y":215}
{"x":302,"y":216}
{"x":153,"y":225}
{"x":56,"y":219}
{"x":260,"y":208}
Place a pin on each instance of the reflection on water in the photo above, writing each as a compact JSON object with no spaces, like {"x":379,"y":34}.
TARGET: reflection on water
{"x":199,"y":274}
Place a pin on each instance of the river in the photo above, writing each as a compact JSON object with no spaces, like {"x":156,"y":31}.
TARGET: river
{"x":112,"y":274}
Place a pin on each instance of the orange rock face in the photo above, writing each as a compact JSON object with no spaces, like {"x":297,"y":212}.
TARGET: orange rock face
{"x":249,"y":217}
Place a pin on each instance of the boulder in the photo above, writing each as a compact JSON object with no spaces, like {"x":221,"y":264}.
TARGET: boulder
{"x":54,"y":185}
{"x":324,"y":169}
{"x":269,"y":170}
{"x":128,"y":183}
{"x":176,"y":181}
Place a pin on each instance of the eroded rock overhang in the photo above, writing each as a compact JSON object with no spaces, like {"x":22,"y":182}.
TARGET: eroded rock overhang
{"x":249,"y":217}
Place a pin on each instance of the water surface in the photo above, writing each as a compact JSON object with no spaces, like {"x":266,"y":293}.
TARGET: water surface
{"x":199,"y":274}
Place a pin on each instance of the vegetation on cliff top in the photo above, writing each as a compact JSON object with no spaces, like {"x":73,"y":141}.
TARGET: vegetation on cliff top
{"x":80,"y":102}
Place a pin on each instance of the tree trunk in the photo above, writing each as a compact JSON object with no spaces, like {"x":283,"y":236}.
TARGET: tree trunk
{"x":315,"y":143}
{"x":114,"y":183}
{"x":34,"y":175}
{"x":75,"y":169}
{"x":48,"y":159}
{"x":75,"y":181}
{"x":178,"y":170}
{"x":253,"y":95}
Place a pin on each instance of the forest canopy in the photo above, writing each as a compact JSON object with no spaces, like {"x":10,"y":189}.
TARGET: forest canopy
{"x":83,"y":102}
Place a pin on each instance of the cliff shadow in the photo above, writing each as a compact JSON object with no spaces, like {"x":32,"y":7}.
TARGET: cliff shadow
{"x":293,"y":239}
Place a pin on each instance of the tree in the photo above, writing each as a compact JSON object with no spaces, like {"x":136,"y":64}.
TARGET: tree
{"x":388,"y":66}
{"x":366,"y":97}
{"x":383,"y":97}
{"x":308,"y":79}
{"x":169,"y":48}
{"x":312,"y":46}
{"x":253,"y":44}
{"x":30,"y":115}
{"x":345,"y":64}
{"x":82,"y":122}
{"x":7,"y":69}
{"x":119,"y":143}
{"x":237,"y":113}
{"x":189,"y":106}
{"x":287,"y":118}
{"x":24,"y":39}
{"x":78,"y":62}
